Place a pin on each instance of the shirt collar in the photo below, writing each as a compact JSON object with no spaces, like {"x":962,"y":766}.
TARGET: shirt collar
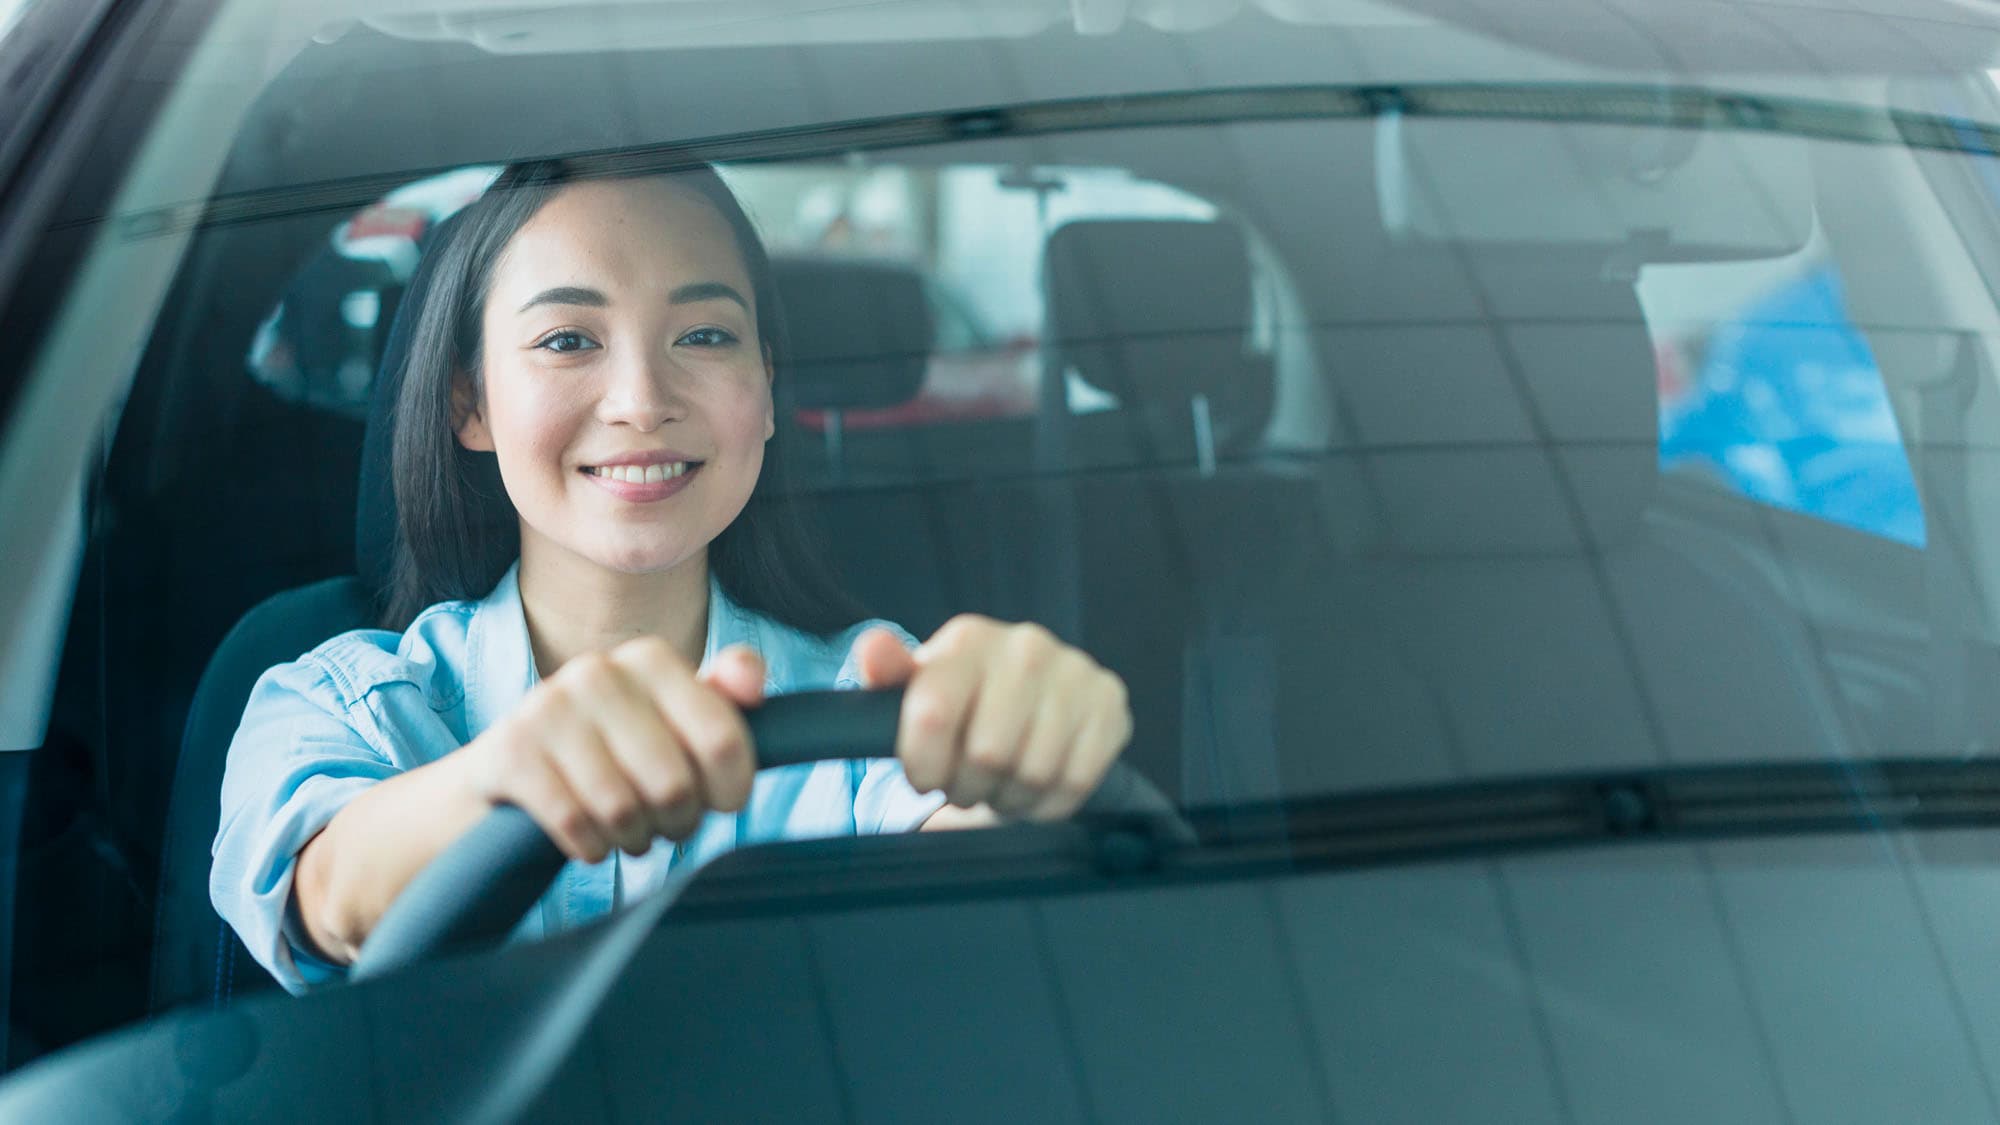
{"x":500,"y":661}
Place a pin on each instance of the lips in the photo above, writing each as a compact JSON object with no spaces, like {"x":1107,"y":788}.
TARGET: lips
{"x":643,"y":483}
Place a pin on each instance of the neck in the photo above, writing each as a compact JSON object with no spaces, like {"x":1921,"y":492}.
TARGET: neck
{"x":574,"y":606}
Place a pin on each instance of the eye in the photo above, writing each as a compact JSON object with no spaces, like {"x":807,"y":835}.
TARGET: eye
{"x":709,"y":337}
{"x":566,"y":340}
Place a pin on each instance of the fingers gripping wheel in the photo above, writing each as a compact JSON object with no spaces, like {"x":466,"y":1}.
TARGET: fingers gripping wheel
{"x":480,"y":886}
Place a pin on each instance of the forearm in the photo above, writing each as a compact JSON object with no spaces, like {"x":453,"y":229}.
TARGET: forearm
{"x":356,"y":866}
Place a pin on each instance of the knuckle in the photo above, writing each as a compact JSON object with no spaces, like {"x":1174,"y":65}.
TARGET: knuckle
{"x":570,"y":820}
{"x":963,"y":627}
{"x":584,"y":668}
{"x":722,"y":746}
{"x":545,"y":702}
{"x":670,"y":791}
{"x":644,"y":648}
{"x":1033,"y":635}
{"x":647,"y":656}
{"x":618,"y":812}
{"x":929,"y":715}
{"x":989,"y":754}
{"x":1039,"y":773}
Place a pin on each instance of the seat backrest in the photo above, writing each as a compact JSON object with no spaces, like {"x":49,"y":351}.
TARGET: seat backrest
{"x":1510,"y":589}
{"x":197,"y":957}
{"x":1146,"y":503}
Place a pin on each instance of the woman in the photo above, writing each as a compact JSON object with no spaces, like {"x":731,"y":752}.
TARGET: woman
{"x":612,"y":343}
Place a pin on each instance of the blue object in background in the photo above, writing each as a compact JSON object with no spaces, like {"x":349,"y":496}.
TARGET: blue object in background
{"x":1789,"y":409}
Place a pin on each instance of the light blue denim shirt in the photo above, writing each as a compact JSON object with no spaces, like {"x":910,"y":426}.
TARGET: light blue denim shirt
{"x":370,"y":704}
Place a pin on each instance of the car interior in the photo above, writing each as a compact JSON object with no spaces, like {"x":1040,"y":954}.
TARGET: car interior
{"x":1356,"y":482}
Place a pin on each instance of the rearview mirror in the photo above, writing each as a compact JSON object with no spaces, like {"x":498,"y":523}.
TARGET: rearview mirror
{"x":1653,"y":191}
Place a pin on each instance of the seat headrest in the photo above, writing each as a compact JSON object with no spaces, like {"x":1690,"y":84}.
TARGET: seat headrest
{"x":375,"y":501}
{"x":1152,"y":311}
{"x":858,"y":333}
{"x":1534,"y":430}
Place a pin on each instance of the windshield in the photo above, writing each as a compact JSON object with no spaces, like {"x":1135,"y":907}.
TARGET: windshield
{"x":1391,"y":398}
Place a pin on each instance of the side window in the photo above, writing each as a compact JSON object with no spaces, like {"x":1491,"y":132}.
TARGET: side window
{"x":1768,"y":389}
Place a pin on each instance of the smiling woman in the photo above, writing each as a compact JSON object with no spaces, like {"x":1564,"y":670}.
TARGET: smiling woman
{"x":493,"y":317}
{"x":610,"y":348}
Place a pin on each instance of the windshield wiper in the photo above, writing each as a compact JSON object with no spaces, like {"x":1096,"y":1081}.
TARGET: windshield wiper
{"x":1689,"y":803}
{"x":1381,"y":828}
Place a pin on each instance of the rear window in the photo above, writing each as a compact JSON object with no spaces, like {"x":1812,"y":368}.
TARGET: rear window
{"x":972,"y":233}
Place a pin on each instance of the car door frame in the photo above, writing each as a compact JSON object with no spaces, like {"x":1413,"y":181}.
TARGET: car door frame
{"x":65,"y":147}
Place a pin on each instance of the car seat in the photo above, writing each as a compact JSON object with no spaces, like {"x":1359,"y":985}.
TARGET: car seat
{"x":1167,"y":546}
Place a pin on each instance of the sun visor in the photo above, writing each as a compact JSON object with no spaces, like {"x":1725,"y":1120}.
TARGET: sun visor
{"x":1650,"y":191}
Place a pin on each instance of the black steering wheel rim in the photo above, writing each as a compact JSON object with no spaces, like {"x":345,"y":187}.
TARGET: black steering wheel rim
{"x":479,"y":887}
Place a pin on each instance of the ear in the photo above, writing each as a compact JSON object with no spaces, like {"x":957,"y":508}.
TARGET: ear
{"x":770,"y":400}
{"x":466,"y":419}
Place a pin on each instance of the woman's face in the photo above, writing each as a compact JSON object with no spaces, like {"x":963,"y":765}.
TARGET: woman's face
{"x":626,"y":393}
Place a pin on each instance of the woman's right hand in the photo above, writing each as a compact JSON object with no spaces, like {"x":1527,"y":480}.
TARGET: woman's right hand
{"x":622,"y":746}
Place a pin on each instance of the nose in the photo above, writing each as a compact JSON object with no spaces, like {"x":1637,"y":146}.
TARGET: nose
{"x":642,"y":391}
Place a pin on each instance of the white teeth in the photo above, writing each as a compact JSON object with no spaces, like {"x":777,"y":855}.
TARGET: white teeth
{"x":641,"y":474}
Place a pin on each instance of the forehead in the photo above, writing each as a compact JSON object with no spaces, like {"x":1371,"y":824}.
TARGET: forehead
{"x":640,"y":235}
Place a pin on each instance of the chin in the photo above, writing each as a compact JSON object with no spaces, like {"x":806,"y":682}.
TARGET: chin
{"x":634,"y":558}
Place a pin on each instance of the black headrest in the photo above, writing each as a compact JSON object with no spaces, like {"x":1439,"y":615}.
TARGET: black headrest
{"x":1152,"y":310}
{"x":1515,"y":435}
{"x":375,"y":503}
{"x":859,"y":333}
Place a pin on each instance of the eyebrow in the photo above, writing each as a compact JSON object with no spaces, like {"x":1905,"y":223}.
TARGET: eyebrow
{"x":567,"y":295}
{"x":592,"y":298}
{"x":706,"y":291}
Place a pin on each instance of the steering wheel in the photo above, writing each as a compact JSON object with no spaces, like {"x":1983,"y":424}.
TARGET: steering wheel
{"x":481,"y":885}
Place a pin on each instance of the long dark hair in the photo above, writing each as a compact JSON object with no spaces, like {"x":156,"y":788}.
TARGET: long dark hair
{"x":456,"y":530}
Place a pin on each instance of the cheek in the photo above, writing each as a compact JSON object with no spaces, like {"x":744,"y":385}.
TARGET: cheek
{"x":742,"y":420}
{"x":532,"y":422}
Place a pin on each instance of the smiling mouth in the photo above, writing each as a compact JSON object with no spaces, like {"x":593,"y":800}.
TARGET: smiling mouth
{"x":642,"y":474}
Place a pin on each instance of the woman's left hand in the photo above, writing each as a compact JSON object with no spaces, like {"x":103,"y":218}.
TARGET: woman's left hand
{"x":1003,"y":715}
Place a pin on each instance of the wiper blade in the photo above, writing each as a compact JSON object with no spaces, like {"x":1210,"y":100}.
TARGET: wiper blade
{"x":1579,"y":810}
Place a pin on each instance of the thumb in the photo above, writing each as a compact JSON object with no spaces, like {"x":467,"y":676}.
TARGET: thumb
{"x":882,"y":660}
{"x":738,"y":673}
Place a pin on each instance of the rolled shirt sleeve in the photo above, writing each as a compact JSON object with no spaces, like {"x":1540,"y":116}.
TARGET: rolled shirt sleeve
{"x":296,"y":760}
